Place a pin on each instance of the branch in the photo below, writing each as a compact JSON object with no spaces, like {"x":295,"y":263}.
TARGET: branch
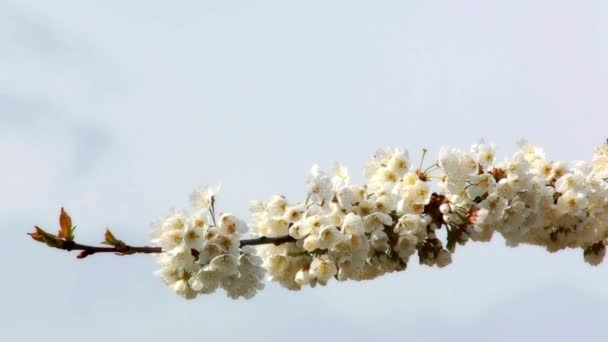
{"x":64,"y":240}
{"x":123,"y":249}
{"x":120,"y":250}
{"x":263,"y":240}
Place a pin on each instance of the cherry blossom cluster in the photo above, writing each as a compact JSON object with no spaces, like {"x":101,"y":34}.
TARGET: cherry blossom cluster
{"x":527,"y":199}
{"x":202,"y":254}
{"x":347,"y":231}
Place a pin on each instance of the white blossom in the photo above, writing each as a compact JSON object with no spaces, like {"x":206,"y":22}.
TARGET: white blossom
{"x":204,"y":196}
{"x":484,"y":154}
{"x":320,"y":185}
{"x":359,"y":232}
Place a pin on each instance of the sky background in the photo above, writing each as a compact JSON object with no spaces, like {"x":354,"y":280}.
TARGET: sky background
{"x":118,"y":109}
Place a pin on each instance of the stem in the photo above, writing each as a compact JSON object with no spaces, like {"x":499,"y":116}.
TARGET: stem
{"x":128,"y":250}
{"x":212,"y":211}
{"x":121,"y":249}
{"x":263,"y":240}
{"x":424,"y":151}
{"x":307,"y":198}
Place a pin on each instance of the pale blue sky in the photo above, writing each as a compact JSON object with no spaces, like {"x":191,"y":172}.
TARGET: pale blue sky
{"x":117,"y":110}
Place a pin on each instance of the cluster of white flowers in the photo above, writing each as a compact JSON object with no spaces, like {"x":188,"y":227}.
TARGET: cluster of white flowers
{"x":527,"y":199}
{"x":201,"y":255}
{"x":347,"y":231}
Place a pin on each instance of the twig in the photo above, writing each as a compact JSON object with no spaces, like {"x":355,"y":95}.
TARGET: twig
{"x":121,"y":250}
{"x":263,"y":240}
{"x":124,"y":249}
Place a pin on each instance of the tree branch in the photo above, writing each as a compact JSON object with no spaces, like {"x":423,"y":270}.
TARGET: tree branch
{"x":263,"y":240}
{"x":120,"y":249}
{"x":123,"y":249}
{"x":65,"y":240}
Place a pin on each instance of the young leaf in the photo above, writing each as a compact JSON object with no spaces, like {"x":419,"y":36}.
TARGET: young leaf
{"x":47,"y":238}
{"x":121,"y":247}
{"x":66,"y":231}
{"x":110,"y":239}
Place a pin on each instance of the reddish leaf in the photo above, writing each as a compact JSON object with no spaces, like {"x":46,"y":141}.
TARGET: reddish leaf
{"x":66,"y":230}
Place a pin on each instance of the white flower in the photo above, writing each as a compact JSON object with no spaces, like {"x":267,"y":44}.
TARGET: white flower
{"x":323,"y":269}
{"x":204,"y":196}
{"x":275,"y":227}
{"x":530,"y":152}
{"x":571,"y":202}
{"x":376,"y":221}
{"x":182,"y":288}
{"x":168,"y":233}
{"x":303,"y":277}
{"x":339,"y":177}
{"x":294,"y":213}
{"x":386,"y":168}
{"x":313,"y":223}
{"x":406,"y":245}
{"x":456,"y":163}
{"x":328,"y":237}
{"x":399,"y":161}
{"x":599,"y":164}
{"x":169,"y":273}
{"x":560,"y":168}
{"x":225,"y":264}
{"x":320,"y":186}
{"x":334,"y":214}
{"x":350,"y":195}
{"x":492,"y":209}
{"x":544,"y":169}
{"x":484,"y":154}
{"x":507,"y":187}
{"x":411,"y":224}
{"x":517,"y":166}
{"x":181,"y":256}
{"x":169,"y":239}
{"x":407,"y":206}
{"x":379,"y":240}
{"x":480,"y":185}
{"x":311,"y":243}
{"x":295,"y":231}
{"x":232,"y":224}
{"x":385,"y":201}
{"x":276,"y":206}
{"x":353,"y":224}
{"x":382,"y":178}
{"x":205,"y":281}
{"x":408,"y":181}
{"x":193,"y":236}
{"x":515,"y":214}
{"x":420,"y":193}
{"x":201,"y":218}
{"x":249,"y":278}
{"x":570,"y":181}
{"x":209,"y":251}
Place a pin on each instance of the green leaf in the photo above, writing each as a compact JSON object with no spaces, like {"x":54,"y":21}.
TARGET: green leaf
{"x":111,"y":240}
{"x":122,"y":248}
{"x":47,"y":238}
